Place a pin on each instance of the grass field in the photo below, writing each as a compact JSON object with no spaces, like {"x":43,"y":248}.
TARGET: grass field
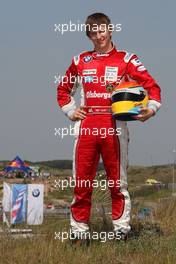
{"x":146,"y":246}
{"x":152,"y":239}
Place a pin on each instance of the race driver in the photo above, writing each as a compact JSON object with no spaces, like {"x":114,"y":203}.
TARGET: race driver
{"x":94,"y":71}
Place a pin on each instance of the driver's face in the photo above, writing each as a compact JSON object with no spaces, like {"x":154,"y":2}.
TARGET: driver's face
{"x":100,"y":36}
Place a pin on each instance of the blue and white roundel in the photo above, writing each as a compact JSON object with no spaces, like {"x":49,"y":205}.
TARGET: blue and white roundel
{"x":36,"y":192}
{"x":87,"y":58}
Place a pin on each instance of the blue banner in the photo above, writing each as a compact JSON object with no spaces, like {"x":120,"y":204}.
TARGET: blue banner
{"x":19,"y":203}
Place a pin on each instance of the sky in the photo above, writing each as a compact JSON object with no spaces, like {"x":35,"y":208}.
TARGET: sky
{"x":32,"y":53}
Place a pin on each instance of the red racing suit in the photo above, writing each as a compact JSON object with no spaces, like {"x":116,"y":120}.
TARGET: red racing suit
{"x":93,"y":71}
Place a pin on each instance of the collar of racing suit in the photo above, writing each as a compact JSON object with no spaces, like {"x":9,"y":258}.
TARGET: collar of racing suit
{"x":101,"y":55}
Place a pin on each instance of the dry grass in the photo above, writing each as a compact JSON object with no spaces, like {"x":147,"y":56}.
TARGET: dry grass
{"x":46,"y":250}
{"x":152,"y":240}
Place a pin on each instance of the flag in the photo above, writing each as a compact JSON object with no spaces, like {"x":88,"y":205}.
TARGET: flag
{"x":6,"y":200}
{"x":35,"y":204}
{"x":23,"y":202}
{"x":18,"y":208}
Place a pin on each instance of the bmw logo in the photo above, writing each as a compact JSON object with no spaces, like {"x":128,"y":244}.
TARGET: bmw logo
{"x":87,"y":58}
{"x":36,"y":192}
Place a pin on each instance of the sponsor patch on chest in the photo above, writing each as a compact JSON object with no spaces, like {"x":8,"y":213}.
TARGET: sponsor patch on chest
{"x":89,"y":71}
{"x":111,"y":73}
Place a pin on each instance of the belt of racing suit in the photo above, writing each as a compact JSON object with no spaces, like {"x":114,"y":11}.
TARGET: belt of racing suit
{"x":97,"y":109}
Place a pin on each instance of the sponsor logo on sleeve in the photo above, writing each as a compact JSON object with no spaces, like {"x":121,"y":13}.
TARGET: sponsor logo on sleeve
{"x":136,"y":62}
{"x":128,"y":57}
{"x":141,"y":68}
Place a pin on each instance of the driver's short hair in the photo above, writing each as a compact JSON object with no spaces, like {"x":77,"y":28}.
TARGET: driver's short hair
{"x":96,"y":19}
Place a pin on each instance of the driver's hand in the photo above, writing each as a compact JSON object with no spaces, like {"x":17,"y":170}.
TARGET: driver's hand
{"x":79,"y":114}
{"x":145,"y":114}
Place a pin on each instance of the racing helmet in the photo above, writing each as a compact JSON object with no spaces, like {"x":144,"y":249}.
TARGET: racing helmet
{"x":127,"y":99}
